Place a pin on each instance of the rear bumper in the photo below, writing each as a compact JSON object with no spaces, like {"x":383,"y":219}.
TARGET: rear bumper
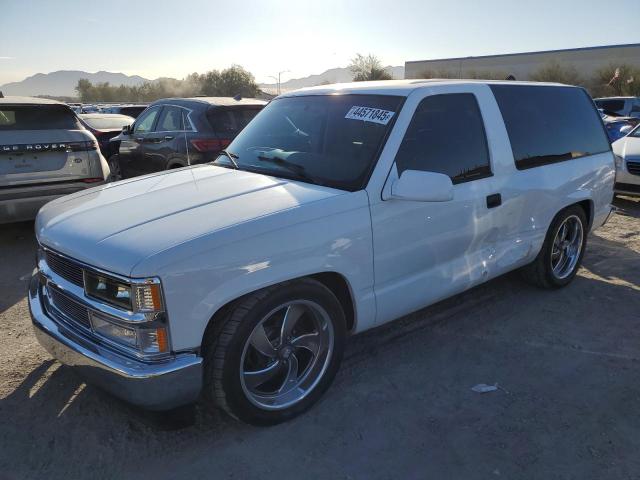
{"x":155,"y":386}
{"x":22,"y":203}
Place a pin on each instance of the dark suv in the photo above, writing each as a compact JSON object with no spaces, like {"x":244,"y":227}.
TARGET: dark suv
{"x":176,"y":132}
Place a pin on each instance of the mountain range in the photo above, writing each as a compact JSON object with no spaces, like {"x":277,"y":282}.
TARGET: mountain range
{"x":62,"y":83}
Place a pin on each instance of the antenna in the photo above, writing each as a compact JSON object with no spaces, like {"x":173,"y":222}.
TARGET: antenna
{"x":237,"y":98}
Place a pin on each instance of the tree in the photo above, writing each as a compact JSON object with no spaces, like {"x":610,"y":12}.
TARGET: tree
{"x":368,"y":68}
{"x":229,"y":83}
{"x":625,"y":83}
{"x":555,"y":72}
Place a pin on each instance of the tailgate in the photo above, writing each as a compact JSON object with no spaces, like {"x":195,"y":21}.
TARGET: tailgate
{"x":42,"y":156}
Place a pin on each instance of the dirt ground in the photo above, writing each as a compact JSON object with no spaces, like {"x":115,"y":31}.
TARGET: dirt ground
{"x":566,"y":363}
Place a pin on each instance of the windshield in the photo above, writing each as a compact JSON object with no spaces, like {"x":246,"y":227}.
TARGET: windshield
{"x":108,"y":122}
{"x":331,"y":140}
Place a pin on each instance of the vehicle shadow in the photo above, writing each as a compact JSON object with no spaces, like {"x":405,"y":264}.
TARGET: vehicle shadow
{"x":17,"y":260}
{"x":629,"y":206}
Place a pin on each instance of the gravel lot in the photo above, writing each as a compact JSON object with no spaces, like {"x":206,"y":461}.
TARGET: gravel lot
{"x":566,"y":363}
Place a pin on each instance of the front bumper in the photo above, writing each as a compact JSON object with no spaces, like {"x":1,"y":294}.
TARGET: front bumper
{"x":22,"y":203}
{"x":154,"y":386}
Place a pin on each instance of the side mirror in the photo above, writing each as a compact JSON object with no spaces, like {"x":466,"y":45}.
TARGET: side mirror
{"x":422,"y":186}
{"x":126,"y":129}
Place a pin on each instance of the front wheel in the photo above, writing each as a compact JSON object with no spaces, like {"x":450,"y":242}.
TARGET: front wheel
{"x":276,"y":352}
{"x":561,"y":255}
{"x":114,"y":166}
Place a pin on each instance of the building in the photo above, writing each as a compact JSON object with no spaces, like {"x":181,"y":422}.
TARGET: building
{"x":587,"y":61}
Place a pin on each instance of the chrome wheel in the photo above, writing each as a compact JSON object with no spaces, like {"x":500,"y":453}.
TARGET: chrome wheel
{"x":567,"y":247}
{"x":114,"y":167}
{"x":286,"y":355}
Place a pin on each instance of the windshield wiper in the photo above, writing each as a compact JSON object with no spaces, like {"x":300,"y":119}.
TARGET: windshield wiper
{"x":231,"y":156}
{"x":297,"y":170}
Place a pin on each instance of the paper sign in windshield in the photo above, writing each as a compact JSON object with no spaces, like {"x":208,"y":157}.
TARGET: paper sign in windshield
{"x":369,"y":114}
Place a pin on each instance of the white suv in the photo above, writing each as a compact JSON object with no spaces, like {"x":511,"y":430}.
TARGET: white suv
{"x":337,"y":209}
{"x":45,"y":153}
{"x":627,"y":151}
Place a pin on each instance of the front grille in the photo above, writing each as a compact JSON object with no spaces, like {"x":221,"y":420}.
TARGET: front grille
{"x":627,"y":187}
{"x":67,"y":269}
{"x":633,"y":168}
{"x":70,"y":308}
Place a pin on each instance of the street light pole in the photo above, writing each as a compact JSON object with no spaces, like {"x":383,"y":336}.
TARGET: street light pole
{"x":278,"y":79}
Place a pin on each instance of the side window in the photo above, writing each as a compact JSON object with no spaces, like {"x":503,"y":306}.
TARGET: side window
{"x":145,"y":121}
{"x":446,"y":135}
{"x":223,"y":121}
{"x":549,"y":124}
{"x":171,"y":119}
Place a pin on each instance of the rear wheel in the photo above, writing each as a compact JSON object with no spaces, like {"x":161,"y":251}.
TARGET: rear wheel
{"x":275,"y":353}
{"x":114,"y":166}
{"x":558,"y":261}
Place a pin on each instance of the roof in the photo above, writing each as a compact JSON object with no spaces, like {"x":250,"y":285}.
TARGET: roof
{"x":399,"y":87}
{"x":615,"y":98}
{"x":29,"y":101}
{"x":537,"y":52}
{"x":216,"y":101}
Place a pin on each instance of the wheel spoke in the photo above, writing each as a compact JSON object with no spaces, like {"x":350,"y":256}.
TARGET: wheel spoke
{"x":291,"y":316}
{"x":563,"y":232}
{"x":310,"y":341}
{"x":256,"y":378}
{"x":292,"y":374}
{"x":261,"y":342}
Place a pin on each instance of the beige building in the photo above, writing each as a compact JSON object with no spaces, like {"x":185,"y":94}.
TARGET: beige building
{"x":586,"y":61}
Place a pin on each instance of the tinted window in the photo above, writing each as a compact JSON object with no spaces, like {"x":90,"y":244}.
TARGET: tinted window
{"x":549,"y":124}
{"x":37,"y":117}
{"x":446,"y":135}
{"x":615,"y":106}
{"x":132,"y":111}
{"x":229,"y":121}
{"x":330,"y":140}
{"x":171,"y":119}
{"x":145,"y":121}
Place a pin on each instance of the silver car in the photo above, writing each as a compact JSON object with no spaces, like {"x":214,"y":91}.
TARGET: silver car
{"x":44,"y":153}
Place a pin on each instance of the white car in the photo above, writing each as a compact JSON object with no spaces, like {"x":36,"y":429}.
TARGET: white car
{"x":337,"y":209}
{"x":627,"y":151}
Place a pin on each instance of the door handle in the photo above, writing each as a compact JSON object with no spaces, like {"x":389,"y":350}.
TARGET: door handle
{"x":168,"y":137}
{"x":494,"y":200}
{"x":139,"y":139}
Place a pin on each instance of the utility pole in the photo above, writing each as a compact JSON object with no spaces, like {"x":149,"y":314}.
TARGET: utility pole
{"x":277,"y":79}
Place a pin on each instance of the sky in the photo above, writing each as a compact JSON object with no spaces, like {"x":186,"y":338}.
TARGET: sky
{"x":170,"y":38}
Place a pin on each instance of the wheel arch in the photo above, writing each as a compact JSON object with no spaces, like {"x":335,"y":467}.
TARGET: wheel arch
{"x":334,"y":281}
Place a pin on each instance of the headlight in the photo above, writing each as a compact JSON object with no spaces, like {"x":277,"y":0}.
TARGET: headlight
{"x":145,"y":340}
{"x":139,"y":296}
{"x":619,"y":161}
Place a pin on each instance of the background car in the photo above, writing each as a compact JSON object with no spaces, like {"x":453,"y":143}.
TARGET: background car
{"x":177,"y":132}
{"x":129,"y":110}
{"x":44,"y":154}
{"x":618,"y":127}
{"x":104,"y":127}
{"x":627,"y":151}
{"x":621,"y":106}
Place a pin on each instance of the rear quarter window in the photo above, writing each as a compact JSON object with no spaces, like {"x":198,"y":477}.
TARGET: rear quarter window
{"x":37,"y":117}
{"x":549,"y":124}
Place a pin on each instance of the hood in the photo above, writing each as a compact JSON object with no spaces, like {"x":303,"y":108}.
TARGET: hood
{"x":115,"y":226}
{"x":627,"y":147}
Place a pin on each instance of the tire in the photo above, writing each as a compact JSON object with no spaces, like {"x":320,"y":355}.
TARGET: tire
{"x":541,"y":271}
{"x":114,"y":167}
{"x":266,"y":383}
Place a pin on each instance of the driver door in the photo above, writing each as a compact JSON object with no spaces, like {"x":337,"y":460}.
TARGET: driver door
{"x":132,"y":148}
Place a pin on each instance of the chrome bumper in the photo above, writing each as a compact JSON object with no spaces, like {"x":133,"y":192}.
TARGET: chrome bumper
{"x":155,"y":386}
